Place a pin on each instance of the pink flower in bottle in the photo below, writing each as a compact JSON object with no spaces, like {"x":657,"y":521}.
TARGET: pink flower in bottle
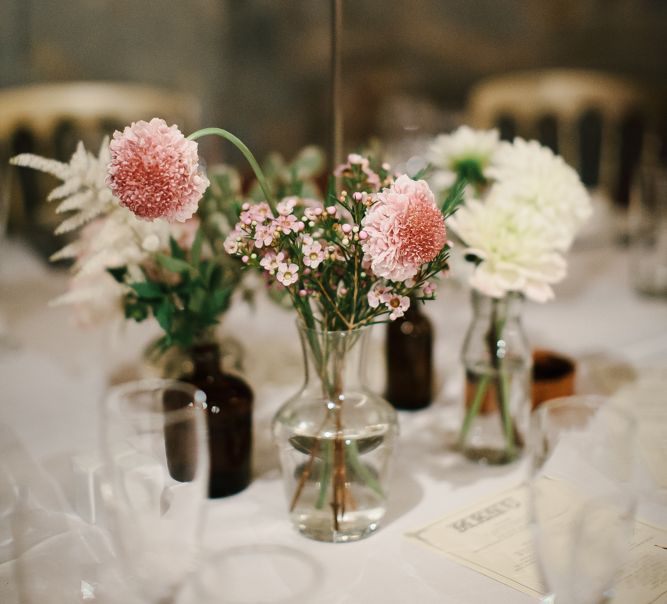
{"x":404,"y":229}
{"x":154,"y":171}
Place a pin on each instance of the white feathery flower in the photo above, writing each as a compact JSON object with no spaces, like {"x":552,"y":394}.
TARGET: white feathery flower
{"x":111,"y":236}
{"x":528,"y":175}
{"x":510,"y":244}
{"x":449,"y":151}
{"x":84,"y":193}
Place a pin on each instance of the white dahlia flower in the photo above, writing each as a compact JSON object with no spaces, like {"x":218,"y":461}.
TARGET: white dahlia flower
{"x":509,"y":243}
{"x":528,"y":175}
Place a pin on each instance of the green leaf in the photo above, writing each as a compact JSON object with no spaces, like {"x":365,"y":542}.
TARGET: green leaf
{"x":176,"y":250}
{"x":197,"y":300}
{"x":147,"y":289}
{"x":175,"y":265}
{"x":454,"y":197}
{"x":163,"y":315}
{"x":195,"y":252}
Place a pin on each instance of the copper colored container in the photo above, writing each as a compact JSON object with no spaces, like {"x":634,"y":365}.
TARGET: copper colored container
{"x":553,"y":376}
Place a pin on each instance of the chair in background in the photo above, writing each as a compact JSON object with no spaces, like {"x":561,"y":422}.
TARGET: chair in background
{"x":49,"y":119}
{"x":600,"y":123}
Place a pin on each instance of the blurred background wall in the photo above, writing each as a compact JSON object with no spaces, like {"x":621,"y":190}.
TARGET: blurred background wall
{"x":260,"y":67}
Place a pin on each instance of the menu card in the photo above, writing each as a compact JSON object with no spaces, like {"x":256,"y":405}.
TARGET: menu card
{"x":495,"y":538}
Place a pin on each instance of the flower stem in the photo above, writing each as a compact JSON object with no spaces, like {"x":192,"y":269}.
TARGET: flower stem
{"x":480,"y":391}
{"x":240,"y":145}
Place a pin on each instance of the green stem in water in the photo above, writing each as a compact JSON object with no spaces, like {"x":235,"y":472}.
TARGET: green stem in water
{"x":240,"y":145}
{"x":480,"y":391}
{"x":352,"y":454}
{"x":327,"y":454}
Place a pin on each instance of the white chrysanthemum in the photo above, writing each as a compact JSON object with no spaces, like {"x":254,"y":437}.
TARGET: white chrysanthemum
{"x":530,"y":175}
{"x":514,"y":255}
{"x":449,"y":151}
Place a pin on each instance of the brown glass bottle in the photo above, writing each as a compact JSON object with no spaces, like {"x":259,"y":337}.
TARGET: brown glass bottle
{"x":229,"y":413}
{"x":409,"y":358}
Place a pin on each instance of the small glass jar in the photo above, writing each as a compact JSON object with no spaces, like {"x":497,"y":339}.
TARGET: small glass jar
{"x":498,"y":364}
{"x":336,"y":441}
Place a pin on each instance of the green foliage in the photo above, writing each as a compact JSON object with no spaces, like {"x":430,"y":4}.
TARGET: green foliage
{"x":295,"y":178}
{"x":185,"y":292}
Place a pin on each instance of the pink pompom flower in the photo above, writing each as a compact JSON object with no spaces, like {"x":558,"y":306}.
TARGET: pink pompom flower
{"x":404,"y":229}
{"x":154,"y":171}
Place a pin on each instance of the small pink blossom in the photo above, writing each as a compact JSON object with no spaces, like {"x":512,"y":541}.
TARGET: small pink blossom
{"x":264,"y":234}
{"x":313,"y":254}
{"x":257,"y":212}
{"x":286,"y":206}
{"x":346,"y":228}
{"x":397,"y":304}
{"x":232,"y":242}
{"x":154,"y":171}
{"x":377,"y":295}
{"x":331,"y":210}
{"x":313,"y":213}
{"x":271,"y":261}
{"x":428,"y":288}
{"x":287,"y":273}
{"x":404,"y":228}
{"x":286,"y":224}
{"x":362,"y":163}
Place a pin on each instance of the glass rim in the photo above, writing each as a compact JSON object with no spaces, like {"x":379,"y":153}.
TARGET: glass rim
{"x":333,"y":332}
{"x":114,"y":395}
{"x":589,"y":401}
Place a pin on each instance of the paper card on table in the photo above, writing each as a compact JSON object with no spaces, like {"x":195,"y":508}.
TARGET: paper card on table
{"x":495,"y":538}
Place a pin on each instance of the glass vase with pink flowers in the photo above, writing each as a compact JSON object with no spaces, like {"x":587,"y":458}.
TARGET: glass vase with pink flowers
{"x":355,"y":259}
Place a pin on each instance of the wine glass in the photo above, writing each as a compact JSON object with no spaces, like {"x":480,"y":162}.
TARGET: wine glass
{"x":583,"y":501}
{"x":155,"y":451}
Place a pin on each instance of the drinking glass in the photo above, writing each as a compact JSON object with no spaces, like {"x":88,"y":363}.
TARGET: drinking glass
{"x":647,"y":223}
{"x":583,"y":502}
{"x":156,"y":462}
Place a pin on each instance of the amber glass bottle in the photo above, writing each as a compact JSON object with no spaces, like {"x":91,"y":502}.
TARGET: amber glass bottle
{"x":229,"y":413}
{"x":409,"y":356}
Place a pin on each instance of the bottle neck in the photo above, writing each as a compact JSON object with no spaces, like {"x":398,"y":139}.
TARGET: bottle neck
{"x":205,"y":359}
{"x":334,"y":361}
{"x":505,"y":309}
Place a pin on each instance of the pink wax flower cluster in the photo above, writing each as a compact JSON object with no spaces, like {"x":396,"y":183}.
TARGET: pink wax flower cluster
{"x":154,"y":171}
{"x":358,"y":257}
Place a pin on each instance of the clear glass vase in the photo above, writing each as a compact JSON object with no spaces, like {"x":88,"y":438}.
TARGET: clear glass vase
{"x":336,"y":441}
{"x":498,"y":364}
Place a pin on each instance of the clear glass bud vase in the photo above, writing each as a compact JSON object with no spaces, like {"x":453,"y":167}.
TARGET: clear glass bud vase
{"x":498,"y":363}
{"x":336,"y":441}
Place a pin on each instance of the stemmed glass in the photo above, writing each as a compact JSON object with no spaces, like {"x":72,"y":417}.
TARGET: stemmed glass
{"x":155,"y":450}
{"x":583,"y":502}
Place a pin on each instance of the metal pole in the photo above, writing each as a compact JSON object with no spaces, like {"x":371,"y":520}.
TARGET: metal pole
{"x":336,"y":84}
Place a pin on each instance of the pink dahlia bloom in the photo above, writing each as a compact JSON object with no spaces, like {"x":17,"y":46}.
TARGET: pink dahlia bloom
{"x":154,"y":171}
{"x":404,"y":229}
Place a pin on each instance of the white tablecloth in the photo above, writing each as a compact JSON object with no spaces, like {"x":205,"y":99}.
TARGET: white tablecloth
{"x":53,"y":377}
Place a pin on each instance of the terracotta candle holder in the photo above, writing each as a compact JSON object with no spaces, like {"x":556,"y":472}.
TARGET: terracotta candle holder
{"x":553,"y":376}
